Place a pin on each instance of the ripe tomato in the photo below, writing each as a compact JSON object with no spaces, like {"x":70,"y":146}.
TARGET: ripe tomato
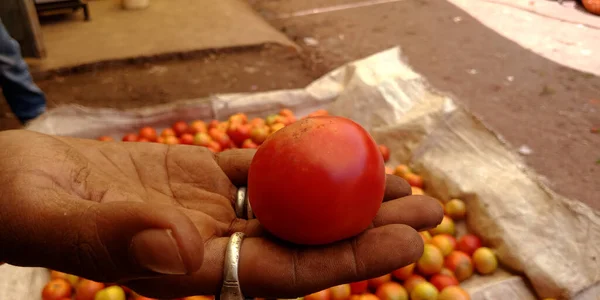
{"x":317,"y":181}
{"x":131,"y":137}
{"x":197,"y":127}
{"x":187,"y":139}
{"x":592,"y":6}
{"x":106,"y":139}
{"x":238,"y":132}
{"x":443,"y":281}
{"x":468,"y":243}
{"x":56,"y":289}
{"x":167,"y":132}
{"x":171,"y":140}
{"x":359,"y":287}
{"x":180,"y":127}
{"x":148,"y":133}
{"x":385,"y":152}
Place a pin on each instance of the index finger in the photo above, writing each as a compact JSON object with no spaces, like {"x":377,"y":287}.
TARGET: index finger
{"x":235,"y":163}
{"x":396,"y":187}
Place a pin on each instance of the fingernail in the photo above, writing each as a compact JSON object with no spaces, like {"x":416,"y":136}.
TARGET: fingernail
{"x":157,"y":250}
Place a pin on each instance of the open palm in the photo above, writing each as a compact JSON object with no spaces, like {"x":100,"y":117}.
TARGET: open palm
{"x":158,"y":219}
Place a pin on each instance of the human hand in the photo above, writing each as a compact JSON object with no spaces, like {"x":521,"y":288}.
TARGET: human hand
{"x":158,"y":218}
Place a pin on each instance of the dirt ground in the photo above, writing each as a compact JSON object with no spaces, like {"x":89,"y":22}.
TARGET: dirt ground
{"x":529,"y":100}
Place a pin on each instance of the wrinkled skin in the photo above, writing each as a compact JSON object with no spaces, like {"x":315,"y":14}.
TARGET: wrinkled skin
{"x":76,"y":205}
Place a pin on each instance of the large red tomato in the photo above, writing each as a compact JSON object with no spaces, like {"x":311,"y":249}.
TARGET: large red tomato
{"x":317,"y":181}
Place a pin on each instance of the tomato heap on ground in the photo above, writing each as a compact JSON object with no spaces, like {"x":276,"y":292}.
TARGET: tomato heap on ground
{"x":236,"y":132}
{"x":446,"y":260}
{"x":64,"y":286}
{"x":445,"y":263}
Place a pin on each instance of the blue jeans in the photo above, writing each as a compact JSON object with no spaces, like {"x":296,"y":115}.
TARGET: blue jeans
{"x":24,"y":97}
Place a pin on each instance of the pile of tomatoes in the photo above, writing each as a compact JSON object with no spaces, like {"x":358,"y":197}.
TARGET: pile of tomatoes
{"x":236,"y":132}
{"x":64,"y":286}
{"x":447,"y":260}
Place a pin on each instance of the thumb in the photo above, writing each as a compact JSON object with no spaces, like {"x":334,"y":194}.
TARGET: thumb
{"x":106,"y":242}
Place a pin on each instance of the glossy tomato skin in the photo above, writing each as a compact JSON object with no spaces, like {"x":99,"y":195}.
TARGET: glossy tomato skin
{"x":317,"y":181}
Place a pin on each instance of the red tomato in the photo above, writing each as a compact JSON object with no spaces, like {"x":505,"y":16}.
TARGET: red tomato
{"x":143,"y":140}
{"x":148,"y":133}
{"x":213,"y":124}
{"x":106,"y":139}
{"x":468,"y":243}
{"x":460,"y":264}
{"x":317,"y":181}
{"x":359,"y":287}
{"x":238,"y":132}
{"x":220,"y":137}
{"x":131,"y":137}
{"x":87,"y":289}
{"x":167,"y":132}
{"x":442,"y":281}
{"x":56,"y":289}
{"x":214,"y":147}
{"x":187,"y":139}
{"x":385,"y":152}
{"x":180,"y":127}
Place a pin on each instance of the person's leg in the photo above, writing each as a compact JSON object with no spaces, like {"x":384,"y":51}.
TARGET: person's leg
{"x":24,"y":97}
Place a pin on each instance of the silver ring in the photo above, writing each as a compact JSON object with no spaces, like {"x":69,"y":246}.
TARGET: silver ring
{"x":243,"y":210}
{"x":231,"y":284}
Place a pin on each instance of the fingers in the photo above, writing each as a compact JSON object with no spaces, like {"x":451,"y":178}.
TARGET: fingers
{"x":272,"y":270}
{"x":235,"y":163}
{"x":104,"y":241}
{"x":417,"y":211}
{"x":373,"y":253}
{"x":396,"y":187}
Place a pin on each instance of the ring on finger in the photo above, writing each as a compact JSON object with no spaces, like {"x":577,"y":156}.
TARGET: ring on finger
{"x":231,"y":284}
{"x":242,"y":207}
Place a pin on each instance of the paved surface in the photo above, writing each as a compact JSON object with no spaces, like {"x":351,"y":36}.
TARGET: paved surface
{"x":531,"y":101}
{"x":166,"y":26}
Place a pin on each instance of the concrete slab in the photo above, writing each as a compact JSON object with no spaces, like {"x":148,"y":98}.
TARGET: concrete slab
{"x":166,"y":26}
{"x":564,"y":33}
